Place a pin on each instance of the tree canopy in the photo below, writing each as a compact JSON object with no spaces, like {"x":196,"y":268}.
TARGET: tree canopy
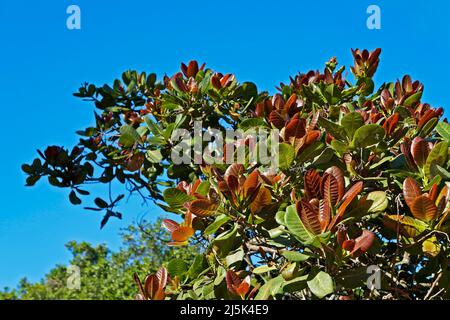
{"x":105,"y":274}
{"x":354,"y":206}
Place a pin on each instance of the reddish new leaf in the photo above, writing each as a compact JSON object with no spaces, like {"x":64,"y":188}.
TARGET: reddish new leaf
{"x":152,"y":289}
{"x":363,"y":242}
{"x":170,"y":225}
{"x":182,"y":234}
{"x":310,"y":217}
{"x":411,"y":191}
{"x":203,"y":207}
{"x":348,"y":245}
{"x":162,"y":276}
{"x":312,"y":182}
{"x":277,"y":119}
{"x":330,"y":189}
{"x":263,"y":199}
{"x":295,"y":128}
{"x":347,"y":199}
{"x":424,"y":209}
{"x":251,"y":185}
{"x":337,"y":173}
{"x":419,"y":151}
{"x":324,"y":215}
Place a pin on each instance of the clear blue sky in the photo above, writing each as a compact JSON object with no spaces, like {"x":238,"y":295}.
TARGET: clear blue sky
{"x":42,"y":63}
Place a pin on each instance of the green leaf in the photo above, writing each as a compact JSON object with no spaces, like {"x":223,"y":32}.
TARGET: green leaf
{"x":128,"y":136}
{"x":280,"y":217}
{"x":223,"y":243}
{"x":323,"y":158}
{"x":175,"y":198}
{"x":154,"y":156}
{"x":415,"y":98}
{"x":213,"y":227}
{"x":412,"y":227}
{"x":286,"y":155}
{"x":168,"y":105}
{"x":368,"y":135}
{"x":339,"y":146}
{"x":321,"y":285}
{"x":438,"y":170}
{"x":352,"y":122}
{"x":235,"y":258}
{"x":221,"y":274}
{"x":311,"y":152}
{"x":263,"y":269}
{"x":203,"y":188}
{"x":295,"y":256}
{"x":296,"y":284}
{"x":378,"y":201}
{"x":443,"y":129}
{"x":248,"y":90}
{"x":270,"y":288}
{"x":334,"y":129}
{"x":197,"y":266}
{"x":153,"y":127}
{"x":428,"y":127}
{"x":437,"y":156}
{"x":296,"y":227}
{"x":252,"y":123}
{"x":177,"y":267}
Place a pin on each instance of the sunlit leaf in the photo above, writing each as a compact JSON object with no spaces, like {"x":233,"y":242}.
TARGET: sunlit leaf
{"x":423,"y":208}
{"x":321,"y":285}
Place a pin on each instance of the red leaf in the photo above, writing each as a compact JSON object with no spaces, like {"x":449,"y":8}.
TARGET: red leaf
{"x":152,"y":289}
{"x":337,"y":173}
{"x":244,"y":287}
{"x":433,"y":192}
{"x":348,"y":245}
{"x":312,"y":181}
{"x":324,"y":215}
{"x":423,"y":209}
{"x":330,"y":189}
{"x":251,"y":185}
{"x":203,"y":207}
{"x":263,"y":199}
{"x":313,"y":122}
{"x":182,"y":234}
{"x":347,"y":199}
{"x":290,"y":104}
{"x":192,"y":69}
{"x":310,"y":217}
{"x":419,"y":151}
{"x":411,"y":191}
{"x":276,"y":118}
{"x":363,"y":242}
{"x":170,"y":225}
{"x":405,"y":149}
{"x":295,"y":128}
{"x":162,"y":277}
{"x":233,"y":281}
{"x":235,"y":169}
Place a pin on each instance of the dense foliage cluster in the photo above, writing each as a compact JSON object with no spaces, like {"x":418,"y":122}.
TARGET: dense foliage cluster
{"x":362,"y":183}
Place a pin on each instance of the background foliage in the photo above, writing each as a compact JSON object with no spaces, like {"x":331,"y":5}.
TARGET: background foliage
{"x":105,"y":274}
